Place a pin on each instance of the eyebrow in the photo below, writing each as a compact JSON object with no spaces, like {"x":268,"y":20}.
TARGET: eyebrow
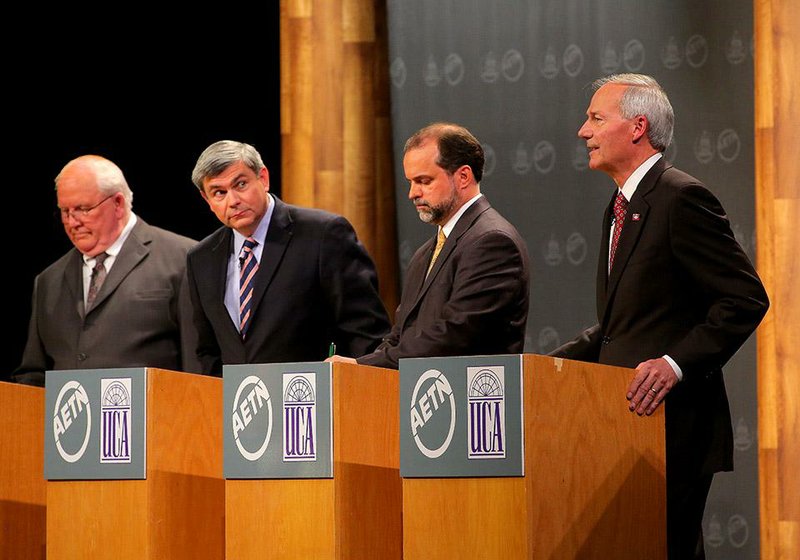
{"x":236,"y":179}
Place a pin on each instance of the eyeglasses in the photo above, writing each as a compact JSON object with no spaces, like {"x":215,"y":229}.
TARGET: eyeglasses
{"x":81,"y":212}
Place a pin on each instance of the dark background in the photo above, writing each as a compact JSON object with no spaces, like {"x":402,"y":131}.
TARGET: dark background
{"x":150,"y":100}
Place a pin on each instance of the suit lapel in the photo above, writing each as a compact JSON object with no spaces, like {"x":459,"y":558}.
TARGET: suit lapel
{"x":602,"y":264}
{"x":416,"y":273}
{"x":462,"y":226}
{"x":73,"y":279}
{"x":133,"y":251}
{"x":635,"y":221}
{"x":631,"y":231}
{"x":279,"y":234}
{"x":217,"y":269}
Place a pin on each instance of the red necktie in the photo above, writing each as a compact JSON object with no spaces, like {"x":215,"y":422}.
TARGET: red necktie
{"x":620,"y":209}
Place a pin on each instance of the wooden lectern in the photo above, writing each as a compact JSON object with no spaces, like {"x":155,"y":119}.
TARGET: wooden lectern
{"x":178,"y":511}
{"x":22,"y":487}
{"x":594,"y":484}
{"x":354,"y":515}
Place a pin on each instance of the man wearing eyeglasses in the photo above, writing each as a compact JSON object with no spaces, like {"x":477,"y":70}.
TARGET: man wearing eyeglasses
{"x":118,"y":299}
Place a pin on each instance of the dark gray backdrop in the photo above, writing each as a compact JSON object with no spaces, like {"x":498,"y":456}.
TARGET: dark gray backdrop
{"x":516,"y":73}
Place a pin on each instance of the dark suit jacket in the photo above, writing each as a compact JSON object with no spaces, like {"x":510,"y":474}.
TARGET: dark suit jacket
{"x":315,"y":285}
{"x":141,"y":317}
{"x":473,"y":302}
{"x":682,"y":286}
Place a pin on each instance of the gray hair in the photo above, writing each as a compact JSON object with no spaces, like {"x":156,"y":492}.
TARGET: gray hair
{"x":220,"y":155}
{"x":644,"y":97}
{"x":109,"y":177}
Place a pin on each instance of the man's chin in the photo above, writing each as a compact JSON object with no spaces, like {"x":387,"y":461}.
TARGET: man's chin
{"x":239,"y":223}
{"x":84,"y":245}
{"x":426,"y":217}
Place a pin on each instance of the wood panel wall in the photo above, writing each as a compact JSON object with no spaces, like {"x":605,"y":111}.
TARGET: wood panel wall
{"x":777,"y":113}
{"x":335,"y":120}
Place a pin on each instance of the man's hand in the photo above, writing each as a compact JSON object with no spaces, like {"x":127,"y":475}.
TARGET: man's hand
{"x":653,"y":380}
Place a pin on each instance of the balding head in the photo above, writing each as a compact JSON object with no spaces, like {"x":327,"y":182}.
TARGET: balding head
{"x":95,"y":202}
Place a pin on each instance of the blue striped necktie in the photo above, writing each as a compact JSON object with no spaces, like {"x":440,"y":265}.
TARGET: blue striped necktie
{"x":247,"y":273}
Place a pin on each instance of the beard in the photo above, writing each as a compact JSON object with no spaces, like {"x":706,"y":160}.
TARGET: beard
{"x":436,"y":213}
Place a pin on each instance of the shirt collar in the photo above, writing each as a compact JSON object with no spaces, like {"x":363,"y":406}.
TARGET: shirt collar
{"x":636,"y":177}
{"x":114,"y":249}
{"x":451,"y":223}
{"x":260,"y":235}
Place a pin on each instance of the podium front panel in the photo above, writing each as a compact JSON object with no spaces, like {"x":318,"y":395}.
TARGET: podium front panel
{"x":183,"y":490}
{"x":95,"y":424}
{"x":278,"y":420}
{"x":461,"y":416}
{"x":22,"y":487}
{"x":594,"y":484}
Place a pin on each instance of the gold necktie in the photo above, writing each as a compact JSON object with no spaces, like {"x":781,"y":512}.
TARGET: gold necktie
{"x":440,"y":239}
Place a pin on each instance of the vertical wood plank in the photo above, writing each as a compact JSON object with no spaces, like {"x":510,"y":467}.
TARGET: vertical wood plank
{"x":296,"y":98}
{"x":325,"y":103}
{"x":335,"y":127}
{"x":359,"y":144}
{"x":359,"y":20}
{"x":777,"y":73}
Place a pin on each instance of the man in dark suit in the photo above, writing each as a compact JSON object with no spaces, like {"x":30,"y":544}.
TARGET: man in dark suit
{"x":676,"y":294}
{"x":118,"y":299}
{"x":277,"y":283}
{"x":466,"y":289}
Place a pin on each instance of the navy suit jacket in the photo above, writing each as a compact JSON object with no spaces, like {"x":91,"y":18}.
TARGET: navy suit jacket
{"x":315,"y":285}
{"x":681,"y":285}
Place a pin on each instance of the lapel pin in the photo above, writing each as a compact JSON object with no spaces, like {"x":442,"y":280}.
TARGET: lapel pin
{"x":636,"y":217}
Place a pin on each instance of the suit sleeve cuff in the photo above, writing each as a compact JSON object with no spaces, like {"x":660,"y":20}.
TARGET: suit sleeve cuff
{"x":675,"y":367}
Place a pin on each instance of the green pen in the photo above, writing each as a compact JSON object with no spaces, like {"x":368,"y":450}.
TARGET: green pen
{"x":332,"y":349}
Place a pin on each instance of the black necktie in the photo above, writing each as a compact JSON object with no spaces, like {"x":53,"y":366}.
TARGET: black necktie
{"x":96,"y":282}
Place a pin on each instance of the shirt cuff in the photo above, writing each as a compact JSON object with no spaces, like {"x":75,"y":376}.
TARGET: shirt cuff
{"x":675,"y":367}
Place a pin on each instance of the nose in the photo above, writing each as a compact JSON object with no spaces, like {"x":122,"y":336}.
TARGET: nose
{"x":413,"y":191}
{"x":584,"y":131}
{"x":233,"y":197}
{"x":71,"y":218}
